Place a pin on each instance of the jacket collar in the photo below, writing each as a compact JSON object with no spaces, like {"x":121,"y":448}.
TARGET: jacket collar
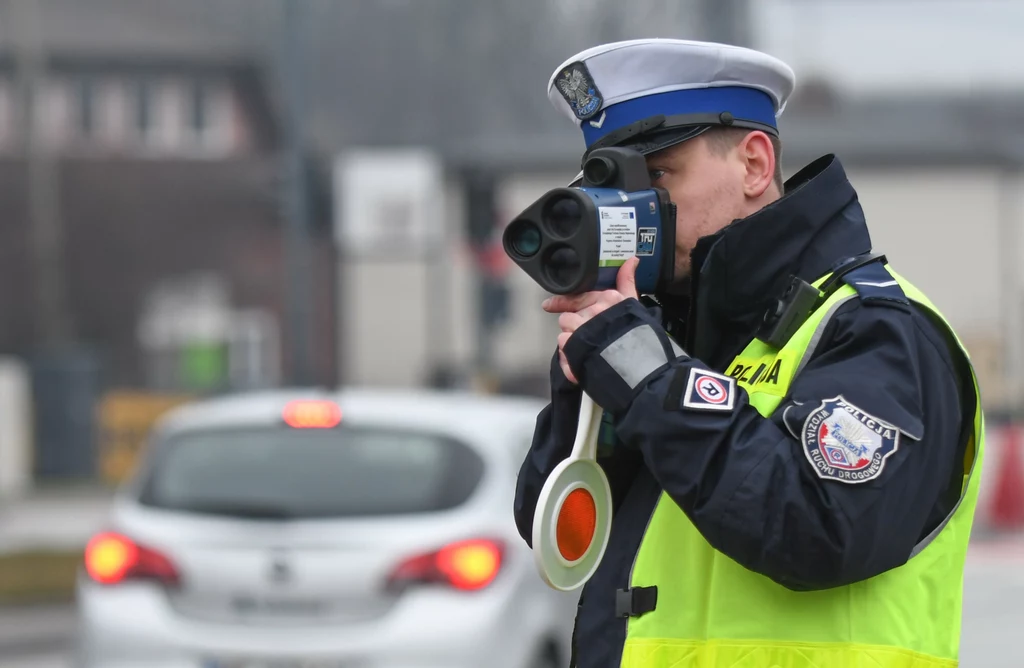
{"x":748,"y":264}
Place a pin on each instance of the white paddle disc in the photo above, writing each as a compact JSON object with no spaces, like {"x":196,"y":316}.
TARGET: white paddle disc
{"x":573,"y":518}
{"x":572,"y":523}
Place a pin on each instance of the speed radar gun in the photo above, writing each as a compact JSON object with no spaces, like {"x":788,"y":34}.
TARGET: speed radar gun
{"x":574,"y":240}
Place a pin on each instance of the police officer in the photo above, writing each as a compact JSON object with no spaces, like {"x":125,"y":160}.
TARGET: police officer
{"x":795,"y":487}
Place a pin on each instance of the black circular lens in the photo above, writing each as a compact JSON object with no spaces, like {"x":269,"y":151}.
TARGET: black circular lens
{"x":563,"y":266}
{"x":598,"y":170}
{"x":563,"y":216}
{"x":524,"y":238}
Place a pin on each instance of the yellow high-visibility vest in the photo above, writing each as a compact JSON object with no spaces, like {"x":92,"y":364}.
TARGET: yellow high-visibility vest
{"x":713,"y":613}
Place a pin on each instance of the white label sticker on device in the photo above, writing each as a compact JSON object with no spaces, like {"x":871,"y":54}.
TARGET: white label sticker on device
{"x":618,"y":235}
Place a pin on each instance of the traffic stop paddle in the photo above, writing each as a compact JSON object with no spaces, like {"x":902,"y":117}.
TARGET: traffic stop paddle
{"x":572,"y":522}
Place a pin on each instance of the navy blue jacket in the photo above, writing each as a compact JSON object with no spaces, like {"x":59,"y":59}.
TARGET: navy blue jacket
{"x":747,"y":482}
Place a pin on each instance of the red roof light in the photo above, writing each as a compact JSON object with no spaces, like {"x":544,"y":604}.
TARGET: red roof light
{"x":312,"y":414}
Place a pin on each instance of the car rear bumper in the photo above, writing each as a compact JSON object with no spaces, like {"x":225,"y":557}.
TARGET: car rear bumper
{"x":129,"y":626}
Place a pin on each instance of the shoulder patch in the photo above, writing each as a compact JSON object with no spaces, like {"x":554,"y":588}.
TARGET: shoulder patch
{"x":844,"y":443}
{"x":709,"y":391}
{"x":875,"y":285}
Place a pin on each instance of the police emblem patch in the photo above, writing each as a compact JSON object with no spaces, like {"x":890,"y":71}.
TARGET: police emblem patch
{"x":844,"y":443}
{"x":579,"y":90}
{"x":709,"y":391}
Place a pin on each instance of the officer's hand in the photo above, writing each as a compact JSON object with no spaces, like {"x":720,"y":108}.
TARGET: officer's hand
{"x":578,"y":309}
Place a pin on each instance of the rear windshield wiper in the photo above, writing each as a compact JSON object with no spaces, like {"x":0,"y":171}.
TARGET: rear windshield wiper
{"x":247,"y":510}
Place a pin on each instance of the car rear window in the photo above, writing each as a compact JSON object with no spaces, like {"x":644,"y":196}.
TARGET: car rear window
{"x":282,"y":473}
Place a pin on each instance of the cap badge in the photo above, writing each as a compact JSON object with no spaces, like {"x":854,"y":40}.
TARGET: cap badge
{"x":579,"y":90}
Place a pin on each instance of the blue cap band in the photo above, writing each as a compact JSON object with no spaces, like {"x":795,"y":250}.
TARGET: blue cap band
{"x":744,"y":103}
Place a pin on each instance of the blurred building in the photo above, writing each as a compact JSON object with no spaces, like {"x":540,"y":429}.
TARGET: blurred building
{"x":161,"y":138}
{"x":141,"y":202}
{"x":166,"y":182}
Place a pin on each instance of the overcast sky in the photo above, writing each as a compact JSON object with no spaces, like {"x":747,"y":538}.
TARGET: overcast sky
{"x":893,"y":44}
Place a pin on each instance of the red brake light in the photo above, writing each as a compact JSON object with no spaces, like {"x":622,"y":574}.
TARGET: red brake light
{"x":467,"y":565}
{"x":312,"y":414}
{"x":111,"y":558}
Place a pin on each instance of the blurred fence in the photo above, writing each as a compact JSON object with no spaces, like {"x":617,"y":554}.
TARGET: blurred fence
{"x":57,"y":423}
{"x":65,"y":388}
{"x":125,"y":420}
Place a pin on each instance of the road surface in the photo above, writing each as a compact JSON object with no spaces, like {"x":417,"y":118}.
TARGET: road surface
{"x":993,"y":618}
{"x":993,"y":607}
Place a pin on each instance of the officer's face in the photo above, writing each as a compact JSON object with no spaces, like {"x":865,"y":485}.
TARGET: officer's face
{"x":712,"y":183}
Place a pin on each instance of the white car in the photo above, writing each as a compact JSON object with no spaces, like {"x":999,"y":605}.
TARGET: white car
{"x":368,"y":529}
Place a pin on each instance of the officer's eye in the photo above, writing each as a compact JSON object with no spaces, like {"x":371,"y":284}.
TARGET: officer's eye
{"x":656,"y":174}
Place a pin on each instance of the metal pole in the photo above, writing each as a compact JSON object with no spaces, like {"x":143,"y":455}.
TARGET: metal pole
{"x":479,"y":184}
{"x":438,"y":298}
{"x":46,"y":234}
{"x":295,"y":184}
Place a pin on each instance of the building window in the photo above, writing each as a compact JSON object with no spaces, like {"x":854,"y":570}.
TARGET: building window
{"x":7,"y":114}
{"x":144,"y":108}
{"x":199,"y":115}
{"x":85,"y":91}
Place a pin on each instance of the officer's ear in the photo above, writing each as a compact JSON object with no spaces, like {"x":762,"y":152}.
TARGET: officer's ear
{"x":758,"y":156}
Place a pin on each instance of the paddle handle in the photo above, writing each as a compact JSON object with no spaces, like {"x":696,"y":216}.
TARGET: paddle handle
{"x":587,"y":429}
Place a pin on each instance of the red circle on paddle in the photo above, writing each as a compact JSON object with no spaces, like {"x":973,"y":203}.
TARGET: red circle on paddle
{"x":576,"y":523}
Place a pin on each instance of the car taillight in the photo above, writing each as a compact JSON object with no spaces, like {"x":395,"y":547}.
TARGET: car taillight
{"x":111,"y":558}
{"x":467,"y":565}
